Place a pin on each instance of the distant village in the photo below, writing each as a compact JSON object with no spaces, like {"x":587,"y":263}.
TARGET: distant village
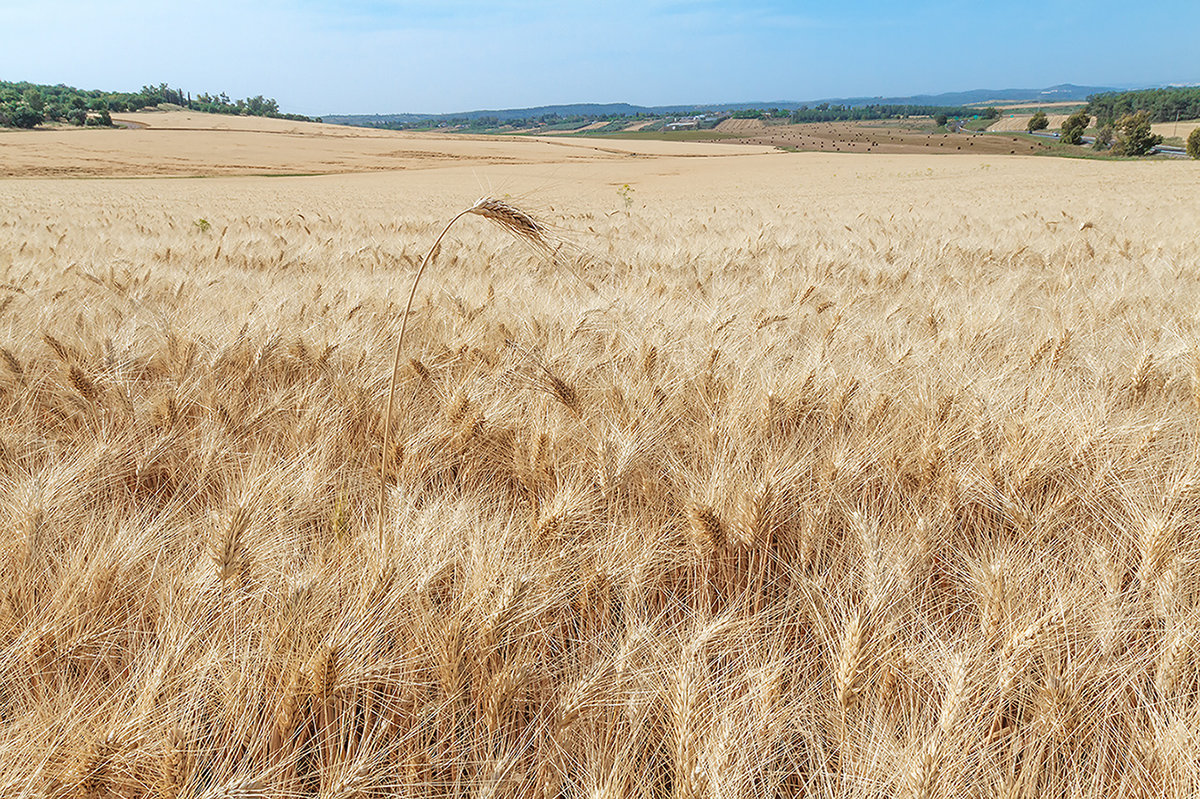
{"x":698,"y":122}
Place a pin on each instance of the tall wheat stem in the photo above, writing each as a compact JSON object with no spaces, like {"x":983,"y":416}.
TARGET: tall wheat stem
{"x":516,"y":222}
{"x":387,"y":419}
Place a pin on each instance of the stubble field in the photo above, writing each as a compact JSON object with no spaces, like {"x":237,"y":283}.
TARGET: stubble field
{"x":782,"y":475}
{"x":887,"y":138}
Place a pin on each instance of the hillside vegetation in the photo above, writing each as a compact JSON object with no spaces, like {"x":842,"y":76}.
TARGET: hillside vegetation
{"x":779,"y":476}
{"x":24,"y":105}
{"x":1163,"y":105}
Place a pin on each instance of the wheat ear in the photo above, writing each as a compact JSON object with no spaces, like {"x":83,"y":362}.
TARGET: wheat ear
{"x":509,"y":217}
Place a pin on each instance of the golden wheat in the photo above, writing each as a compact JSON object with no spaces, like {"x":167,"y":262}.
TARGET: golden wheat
{"x":814,"y":491}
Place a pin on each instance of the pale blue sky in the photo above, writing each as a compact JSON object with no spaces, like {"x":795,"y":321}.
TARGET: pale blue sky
{"x":383,"y":56}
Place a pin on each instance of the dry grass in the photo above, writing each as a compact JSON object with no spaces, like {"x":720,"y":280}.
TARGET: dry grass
{"x":818,"y":476}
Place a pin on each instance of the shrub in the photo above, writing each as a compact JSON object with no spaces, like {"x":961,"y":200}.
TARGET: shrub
{"x":25,"y":117}
{"x":1104,"y":138}
{"x":940,"y":120}
{"x":1134,"y":136}
{"x":1193,"y":143}
{"x":99,"y":120}
{"x":1074,"y":126}
{"x":1038,"y":121}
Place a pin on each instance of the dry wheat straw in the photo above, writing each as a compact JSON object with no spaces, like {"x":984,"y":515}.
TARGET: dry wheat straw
{"x":240,"y":788}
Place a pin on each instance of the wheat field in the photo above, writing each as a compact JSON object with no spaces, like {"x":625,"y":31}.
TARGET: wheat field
{"x":781,"y":476}
{"x":183,"y":144}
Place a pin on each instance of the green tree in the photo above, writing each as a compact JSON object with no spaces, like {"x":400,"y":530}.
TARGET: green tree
{"x":35,"y":100}
{"x":59,"y":102}
{"x":25,"y":117}
{"x":1193,"y":143}
{"x":1104,"y":138}
{"x":99,"y":119}
{"x":1134,"y":136}
{"x":1163,"y":105}
{"x":1074,"y":126}
{"x":1038,"y":121}
{"x":940,"y":120}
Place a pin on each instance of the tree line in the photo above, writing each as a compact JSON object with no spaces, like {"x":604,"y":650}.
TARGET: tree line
{"x":492,"y":122}
{"x":842,"y":113}
{"x":1130,"y":135}
{"x":1161,"y":105}
{"x":24,"y":105}
{"x":825,"y":112}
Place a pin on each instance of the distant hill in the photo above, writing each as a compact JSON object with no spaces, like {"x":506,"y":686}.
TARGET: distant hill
{"x":1062,"y":92}
{"x":505,"y":114}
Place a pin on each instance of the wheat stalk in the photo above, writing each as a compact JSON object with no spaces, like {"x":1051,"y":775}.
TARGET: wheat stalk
{"x":850,"y":666}
{"x":174,"y":762}
{"x":507,"y":216}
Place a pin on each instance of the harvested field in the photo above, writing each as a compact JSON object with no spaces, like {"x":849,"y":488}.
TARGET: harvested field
{"x":1020,"y":122}
{"x":890,"y":138}
{"x":592,"y":126}
{"x":792,"y":475}
{"x":184,"y":144}
{"x":1183,"y":128}
{"x":741,"y":126}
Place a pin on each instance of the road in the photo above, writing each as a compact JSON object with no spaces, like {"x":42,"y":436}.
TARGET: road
{"x":1171,"y":152}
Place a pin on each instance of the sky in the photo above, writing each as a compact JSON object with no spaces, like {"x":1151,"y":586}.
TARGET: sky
{"x":389,"y":56}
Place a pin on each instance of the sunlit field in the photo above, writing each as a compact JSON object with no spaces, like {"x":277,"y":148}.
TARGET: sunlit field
{"x":780,"y":475}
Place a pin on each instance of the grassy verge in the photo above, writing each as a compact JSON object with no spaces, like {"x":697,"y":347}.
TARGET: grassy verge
{"x":1054,"y":147}
{"x":979,"y":125}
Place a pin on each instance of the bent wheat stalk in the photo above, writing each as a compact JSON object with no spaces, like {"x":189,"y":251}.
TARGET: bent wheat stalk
{"x":509,"y":217}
